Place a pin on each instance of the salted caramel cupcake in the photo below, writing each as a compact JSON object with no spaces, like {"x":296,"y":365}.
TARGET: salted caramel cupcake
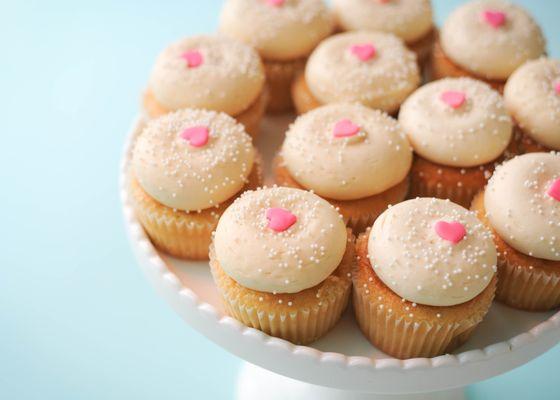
{"x":532,"y":97}
{"x":284,"y":32}
{"x":410,"y":20}
{"x":281,"y":259}
{"x":459,"y":129}
{"x":356,"y":158}
{"x":521,"y":205}
{"x":486,"y":40}
{"x":425,"y":278}
{"x":210,"y":72}
{"x":187,"y":167}
{"x":372,"y":68}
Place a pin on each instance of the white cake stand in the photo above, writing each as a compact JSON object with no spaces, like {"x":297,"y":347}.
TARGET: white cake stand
{"x":343,"y":364}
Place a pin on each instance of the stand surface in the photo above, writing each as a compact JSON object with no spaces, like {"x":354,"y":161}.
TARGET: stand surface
{"x":343,"y":359}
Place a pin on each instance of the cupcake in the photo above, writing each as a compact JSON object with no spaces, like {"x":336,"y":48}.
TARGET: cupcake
{"x":187,"y":167}
{"x":284,"y":32}
{"x":356,"y":158}
{"x":425,"y":278}
{"x":282,"y":259}
{"x":532,"y":97}
{"x":210,"y":72}
{"x":458,"y":128}
{"x":372,"y":68}
{"x":411,"y":20}
{"x":521,"y":205}
{"x":486,"y":40}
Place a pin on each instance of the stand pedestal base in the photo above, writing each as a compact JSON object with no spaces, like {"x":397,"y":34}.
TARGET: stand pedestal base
{"x":255,"y":383}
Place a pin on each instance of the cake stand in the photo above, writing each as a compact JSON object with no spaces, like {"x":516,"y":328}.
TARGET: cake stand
{"x":343,"y":364}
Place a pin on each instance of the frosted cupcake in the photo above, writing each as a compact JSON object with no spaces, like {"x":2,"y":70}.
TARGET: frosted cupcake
{"x":372,"y":68}
{"x":486,"y":40}
{"x":284,"y":32}
{"x":458,"y":128}
{"x":281,"y":259}
{"x":187,"y":167}
{"x":521,"y":204}
{"x":411,"y":20}
{"x":424,"y":278}
{"x":532,"y":96}
{"x":355,"y":157}
{"x":210,"y":72}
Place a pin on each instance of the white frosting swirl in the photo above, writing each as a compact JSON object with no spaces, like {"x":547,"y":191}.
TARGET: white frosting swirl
{"x":190,"y":178}
{"x":344,"y":168}
{"x":417,"y":264}
{"x":488,"y":51}
{"x":260,"y":258}
{"x":474,"y":133}
{"x":532,"y":98}
{"x":334,"y":74}
{"x":408,"y":19}
{"x":519,"y":207}
{"x":287,"y":31}
{"x":229,"y":79}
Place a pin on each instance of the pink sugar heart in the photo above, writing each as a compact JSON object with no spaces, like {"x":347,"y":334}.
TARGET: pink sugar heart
{"x":345,"y":128}
{"x":494,"y":18}
{"x":363,"y":51}
{"x":275,"y":3}
{"x":193,"y":58}
{"x":557,"y":88}
{"x":554,"y":190}
{"x":280,"y":219}
{"x":453,"y":232}
{"x":197,"y":136}
{"x":453,"y":99}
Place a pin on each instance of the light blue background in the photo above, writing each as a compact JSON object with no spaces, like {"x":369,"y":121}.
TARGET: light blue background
{"x":77,"y":318}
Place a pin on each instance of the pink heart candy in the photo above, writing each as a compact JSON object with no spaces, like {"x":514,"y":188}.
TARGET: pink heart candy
{"x":363,"y":51}
{"x":453,"y":99}
{"x":197,"y":136}
{"x":280,"y":219}
{"x":345,"y":128}
{"x":453,"y":232}
{"x":557,"y":88}
{"x":193,"y":58}
{"x":494,"y":18}
{"x":275,"y":3}
{"x":554,"y":190}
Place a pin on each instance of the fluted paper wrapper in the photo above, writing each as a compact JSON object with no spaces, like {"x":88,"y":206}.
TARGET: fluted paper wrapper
{"x":387,"y":322}
{"x":358,"y":214}
{"x":279,"y":77}
{"x":300,"y":318}
{"x":461,"y":195}
{"x":178,"y":233}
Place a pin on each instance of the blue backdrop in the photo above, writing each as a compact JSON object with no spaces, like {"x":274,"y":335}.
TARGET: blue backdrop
{"x":77,"y":319}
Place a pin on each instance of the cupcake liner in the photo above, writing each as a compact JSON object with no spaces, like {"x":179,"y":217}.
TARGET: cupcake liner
{"x":406,"y":330}
{"x":461,"y":195}
{"x":182,"y":234}
{"x":279,"y":76}
{"x":524,"y":282}
{"x":531,"y":289}
{"x":300,"y":318}
{"x":302,"y":97}
{"x":358,"y":214}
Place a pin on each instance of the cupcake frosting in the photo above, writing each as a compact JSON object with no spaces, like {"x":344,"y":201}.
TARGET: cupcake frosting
{"x":346,"y":151}
{"x":532,"y":95}
{"x":211,"y":72}
{"x":433,"y":252}
{"x":408,"y":19}
{"x":278,"y":29}
{"x":193,"y":159}
{"x":372,"y":68}
{"x":522,"y":202}
{"x":491,"y":38}
{"x":459,"y":122}
{"x":280,"y":240}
